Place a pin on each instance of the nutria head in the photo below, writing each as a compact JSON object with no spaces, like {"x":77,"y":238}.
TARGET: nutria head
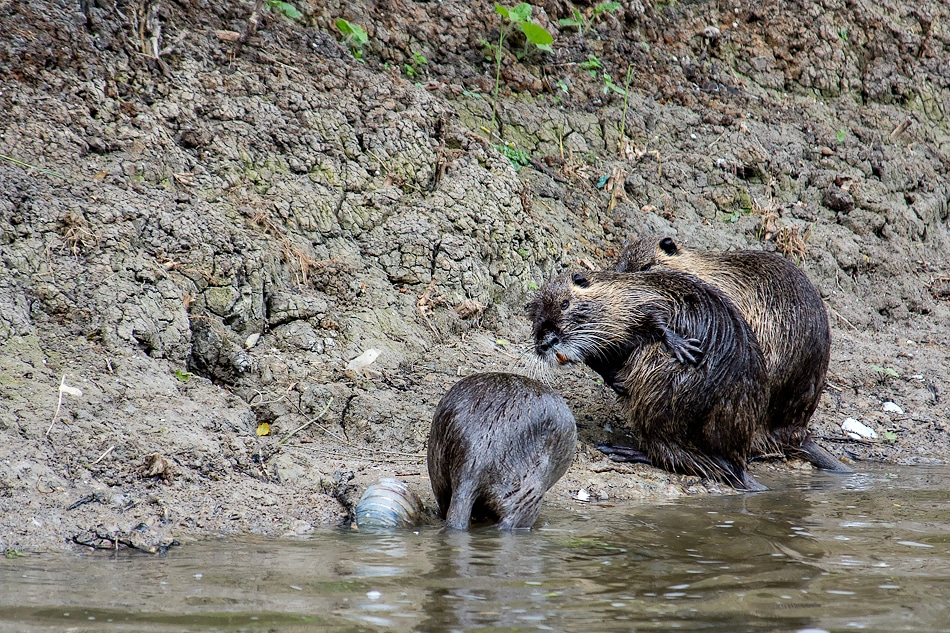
{"x":642,"y":255}
{"x":580,"y":316}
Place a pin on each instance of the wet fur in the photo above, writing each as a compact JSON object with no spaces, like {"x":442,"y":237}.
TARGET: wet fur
{"x":498,"y":442}
{"x":788,"y":317}
{"x":692,"y":417}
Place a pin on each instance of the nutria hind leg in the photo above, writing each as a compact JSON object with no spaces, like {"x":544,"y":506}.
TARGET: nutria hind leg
{"x":821,"y":458}
{"x":736,"y":475}
{"x":521,"y":513}
{"x":624,"y":454}
{"x":459,"y":514}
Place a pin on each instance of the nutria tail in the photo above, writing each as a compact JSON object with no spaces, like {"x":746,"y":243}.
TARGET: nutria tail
{"x":821,"y":458}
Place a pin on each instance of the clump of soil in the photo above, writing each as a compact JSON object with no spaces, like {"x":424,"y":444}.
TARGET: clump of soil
{"x":198,"y":241}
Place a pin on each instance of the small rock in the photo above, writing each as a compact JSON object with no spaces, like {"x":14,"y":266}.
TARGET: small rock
{"x":582,"y":495}
{"x":359,"y":364}
{"x":837,"y":199}
{"x":857,"y":429}
{"x":890,"y":407}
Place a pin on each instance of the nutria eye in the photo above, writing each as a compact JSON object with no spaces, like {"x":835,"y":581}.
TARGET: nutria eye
{"x":580,"y":280}
{"x":565,"y":305}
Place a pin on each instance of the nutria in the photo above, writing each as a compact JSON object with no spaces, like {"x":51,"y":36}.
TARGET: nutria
{"x":685,"y":364}
{"x":789,"y":321}
{"x":498,"y":442}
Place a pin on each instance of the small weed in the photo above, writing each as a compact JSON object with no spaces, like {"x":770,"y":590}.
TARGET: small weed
{"x":843,"y":33}
{"x":182,"y":375}
{"x":890,"y":436}
{"x":563,"y":86}
{"x":354,"y":37}
{"x":580,"y":22}
{"x":519,"y":17}
{"x":284,"y":8}
{"x":10,"y":553}
{"x":840,"y":135}
{"x":519,"y":158}
{"x":592,"y":65}
{"x":623,"y":117}
{"x":414,"y":68}
{"x":610,"y":86}
{"x":531,"y":285}
{"x":884,"y":373}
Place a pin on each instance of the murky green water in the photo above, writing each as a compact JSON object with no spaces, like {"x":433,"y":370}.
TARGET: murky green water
{"x":865,"y":552}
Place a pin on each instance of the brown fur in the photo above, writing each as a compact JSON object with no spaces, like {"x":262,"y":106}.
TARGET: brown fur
{"x":694,"y":412}
{"x":788,"y":317}
{"x":498,"y":442}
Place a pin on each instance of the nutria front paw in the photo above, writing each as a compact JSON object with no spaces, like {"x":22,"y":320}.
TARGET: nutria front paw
{"x":685,"y":350}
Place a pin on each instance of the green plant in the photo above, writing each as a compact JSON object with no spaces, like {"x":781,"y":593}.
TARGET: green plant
{"x":623,"y":115}
{"x":580,"y":22}
{"x":610,"y":86}
{"x":414,"y":68}
{"x":354,"y":36}
{"x":519,"y":17}
{"x":182,"y":375}
{"x":284,"y":8}
{"x":592,"y":65}
{"x":884,"y":373}
{"x":518,"y":157}
{"x":840,"y":135}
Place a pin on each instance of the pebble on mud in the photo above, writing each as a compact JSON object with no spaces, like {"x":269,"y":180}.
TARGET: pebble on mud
{"x":858,"y":430}
{"x":890,"y":407}
{"x":358,"y":365}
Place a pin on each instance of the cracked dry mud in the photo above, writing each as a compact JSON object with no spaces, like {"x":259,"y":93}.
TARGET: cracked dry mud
{"x":203,"y":242}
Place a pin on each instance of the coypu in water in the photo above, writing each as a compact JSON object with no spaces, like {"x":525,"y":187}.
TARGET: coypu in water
{"x":685,"y":364}
{"x":498,"y":442}
{"x":787,"y":315}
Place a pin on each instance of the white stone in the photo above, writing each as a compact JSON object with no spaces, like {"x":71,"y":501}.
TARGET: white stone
{"x":890,"y":407}
{"x":850,"y":425}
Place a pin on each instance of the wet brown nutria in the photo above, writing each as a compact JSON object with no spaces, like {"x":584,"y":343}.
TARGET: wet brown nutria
{"x":498,"y":443}
{"x":693,"y":412}
{"x":788,"y":317}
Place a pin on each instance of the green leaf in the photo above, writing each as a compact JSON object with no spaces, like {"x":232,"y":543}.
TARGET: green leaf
{"x":286,"y":8}
{"x":521,"y":12}
{"x":606,"y":6}
{"x":502,"y":11}
{"x":183,"y":376}
{"x":537,"y":35}
{"x":890,"y":436}
{"x":352,"y":31}
{"x":592,"y":63}
{"x":566,"y":22}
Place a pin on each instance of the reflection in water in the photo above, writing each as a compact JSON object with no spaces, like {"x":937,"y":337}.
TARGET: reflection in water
{"x":826,"y":552}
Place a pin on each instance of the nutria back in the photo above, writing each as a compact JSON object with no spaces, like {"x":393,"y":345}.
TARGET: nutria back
{"x":683,"y":360}
{"x":498,"y":442}
{"x":788,"y":317}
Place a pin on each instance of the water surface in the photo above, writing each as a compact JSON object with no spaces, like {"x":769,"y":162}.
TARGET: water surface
{"x":869,"y":551}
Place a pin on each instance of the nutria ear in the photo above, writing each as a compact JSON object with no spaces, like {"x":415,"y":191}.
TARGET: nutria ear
{"x":668,"y":246}
{"x":580,"y":280}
